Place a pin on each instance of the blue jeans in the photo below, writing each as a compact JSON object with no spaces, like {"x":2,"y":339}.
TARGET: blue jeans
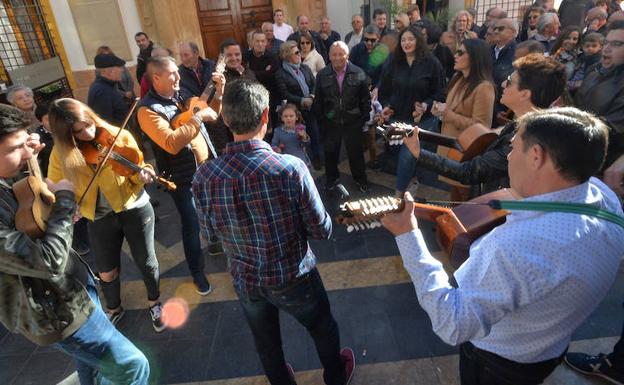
{"x":407,"y":164}
{"x":305,"y":299}
{"x":99,"y":346}
{"x":183,"y":199}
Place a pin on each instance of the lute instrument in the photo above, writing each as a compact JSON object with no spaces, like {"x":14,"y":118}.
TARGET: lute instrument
{"x":471,"y":142}
{"x":456,"y":228}
{"x":34,"y":201}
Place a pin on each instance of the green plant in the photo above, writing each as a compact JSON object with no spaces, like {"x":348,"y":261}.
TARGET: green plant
{"x":441,"y":17}
{"x":51,"y":88}
{"x":392,"y":7}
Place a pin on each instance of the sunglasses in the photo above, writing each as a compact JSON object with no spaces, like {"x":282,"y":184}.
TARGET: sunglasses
{"x":370,"y":40}
{"x":500,"y":28}
{"x":296,"y":53}
{"x":306,"y":42}
{"x":459,"y":52}
{"x":509,"y":82}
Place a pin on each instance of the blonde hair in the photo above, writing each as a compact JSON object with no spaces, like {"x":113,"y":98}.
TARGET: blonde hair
{"x":461,"y":12}
{"x":63,"y":115}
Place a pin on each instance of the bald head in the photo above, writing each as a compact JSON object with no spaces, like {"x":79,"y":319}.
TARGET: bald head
{"x":303,"y":22}
{"x":357,"y":22}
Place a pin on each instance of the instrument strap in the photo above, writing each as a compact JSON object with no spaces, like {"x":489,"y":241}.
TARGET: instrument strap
{"x":562,"y":207}
{"x":204,"y":133}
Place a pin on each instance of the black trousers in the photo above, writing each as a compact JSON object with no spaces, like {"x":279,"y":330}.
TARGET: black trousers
{"x":480,"y":367}
{"x":354,"y":143}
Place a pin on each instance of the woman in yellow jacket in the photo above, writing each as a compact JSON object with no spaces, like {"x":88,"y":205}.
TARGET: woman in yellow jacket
{"x":117,"y":207}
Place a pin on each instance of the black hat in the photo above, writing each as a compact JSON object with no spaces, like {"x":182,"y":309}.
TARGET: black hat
{"x":108,"y":60}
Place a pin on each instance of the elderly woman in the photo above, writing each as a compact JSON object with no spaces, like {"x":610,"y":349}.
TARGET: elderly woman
{"x":22,"y":97}
{"x":547,"y":30}
{"x":459,"y":30}
{"x":309,"y":54}
{"x":295,"y":83}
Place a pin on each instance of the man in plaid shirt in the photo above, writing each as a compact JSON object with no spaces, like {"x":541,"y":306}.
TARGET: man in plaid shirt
{"x":264,"y":206}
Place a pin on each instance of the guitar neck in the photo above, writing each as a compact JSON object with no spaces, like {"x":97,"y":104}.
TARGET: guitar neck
{"x":442,"y":140}
{"x":33,"y":168}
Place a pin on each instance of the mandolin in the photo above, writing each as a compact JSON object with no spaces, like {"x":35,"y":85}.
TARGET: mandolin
{"x":34,"y":201}
{"x":456,"y":228}
{"x":471,"y":142}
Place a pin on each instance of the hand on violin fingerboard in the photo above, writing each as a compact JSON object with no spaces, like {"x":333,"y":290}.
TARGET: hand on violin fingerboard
{"x":147,"y":175}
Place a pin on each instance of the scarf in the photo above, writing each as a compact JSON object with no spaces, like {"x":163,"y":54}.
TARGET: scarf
{"x":295,"y":71}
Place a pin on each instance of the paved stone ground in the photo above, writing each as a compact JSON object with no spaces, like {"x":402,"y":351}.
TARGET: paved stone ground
{"x":371,"y":298}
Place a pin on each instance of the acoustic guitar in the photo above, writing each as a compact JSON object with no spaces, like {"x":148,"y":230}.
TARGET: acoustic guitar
{"x":456,"y":228}
{"x":35,"y":202}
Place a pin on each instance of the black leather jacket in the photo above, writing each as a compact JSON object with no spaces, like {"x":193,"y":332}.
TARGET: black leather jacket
{"x":348,"y":108}
{"x":486,"y":172}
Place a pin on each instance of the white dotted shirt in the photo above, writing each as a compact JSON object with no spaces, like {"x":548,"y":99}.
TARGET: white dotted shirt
{"x":529,"y":283}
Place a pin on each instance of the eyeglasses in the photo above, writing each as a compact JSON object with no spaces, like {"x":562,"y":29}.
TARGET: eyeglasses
{"x":613,"y":43}
{"x":306,"y":42}
{"x":459,"y":52}
{"x":500,"y":28}
{"x":296,"y":53}
{"x":509,"y":81}
{"x":534,"y":17}
{"x":366,"y":40}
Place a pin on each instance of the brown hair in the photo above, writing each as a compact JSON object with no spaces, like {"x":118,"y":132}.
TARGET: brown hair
{"x":291,"y":106}
{"x":544,"y":76}
{"x":63,"y":115}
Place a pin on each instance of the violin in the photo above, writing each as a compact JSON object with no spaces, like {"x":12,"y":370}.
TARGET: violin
{"x":124,"y":160}
{"x":34,"y":201}
{"x":456,"y":228}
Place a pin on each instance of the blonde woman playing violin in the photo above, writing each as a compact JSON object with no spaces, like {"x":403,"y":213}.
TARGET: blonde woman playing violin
{"x":116,"y":206}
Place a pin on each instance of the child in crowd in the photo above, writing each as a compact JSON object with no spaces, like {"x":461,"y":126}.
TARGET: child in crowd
{"x":592,"y":50}
{"x":45,"y":137}
{"x":291,"y":137}
{"x":567,"y":48}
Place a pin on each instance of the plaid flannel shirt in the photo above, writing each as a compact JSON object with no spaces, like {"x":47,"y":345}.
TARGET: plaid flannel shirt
{"x":263,"y":206}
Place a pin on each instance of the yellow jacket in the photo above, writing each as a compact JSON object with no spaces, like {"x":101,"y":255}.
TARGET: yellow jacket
{"x":119,"y":191}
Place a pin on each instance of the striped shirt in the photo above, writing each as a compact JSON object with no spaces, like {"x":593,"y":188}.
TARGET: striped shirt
{"x":263,"y":206}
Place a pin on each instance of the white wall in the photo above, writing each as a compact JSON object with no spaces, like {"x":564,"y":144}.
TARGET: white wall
{"x":340,"y":12}
{"x":71,"y":40}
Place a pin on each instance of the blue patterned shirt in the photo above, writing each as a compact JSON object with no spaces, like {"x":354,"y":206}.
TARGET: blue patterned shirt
{"x":529,"y":283}
{"x":263,"y":206}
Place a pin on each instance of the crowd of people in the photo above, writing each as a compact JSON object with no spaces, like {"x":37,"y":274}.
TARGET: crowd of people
{"x":550,"y":84}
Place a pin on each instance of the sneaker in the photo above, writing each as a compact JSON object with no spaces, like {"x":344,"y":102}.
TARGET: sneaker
{"x":202,"y":286}
{"x":363,"y":187}
{"x":156,"y":313}
{"x":349,"y":359}
{"x":115,"y":316}
{"x":291,"y":371}
{"x":215,"y":248}
{"x":599,"y":365}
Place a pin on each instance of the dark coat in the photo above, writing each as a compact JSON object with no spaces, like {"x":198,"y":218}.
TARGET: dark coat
{"x":331,"y":39}
{"x":602,"y":93}
{"x":371,"y":65}
{"x":503,"y":67}
{"x":487,"y":172}
{"x":106,"y":101}
{"x":402,"y":85}
{"x":344,"y":109}
{"x":144,"y":54}
{"x":189,"y":82}
{"x":288,"y":87}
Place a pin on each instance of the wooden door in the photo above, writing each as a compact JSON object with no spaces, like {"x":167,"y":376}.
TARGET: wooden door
{"x":222,"y":19}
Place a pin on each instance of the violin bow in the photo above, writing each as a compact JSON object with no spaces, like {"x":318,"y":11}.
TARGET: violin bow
{"x":100,"y":166}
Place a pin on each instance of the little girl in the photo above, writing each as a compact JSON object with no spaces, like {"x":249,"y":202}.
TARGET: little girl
{"x":291,"y":137}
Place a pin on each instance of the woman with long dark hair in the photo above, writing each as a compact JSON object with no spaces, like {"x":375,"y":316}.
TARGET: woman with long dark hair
{"x":414,"y":77}
{"x":470,"y":100}
{"x":116,"y":206}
